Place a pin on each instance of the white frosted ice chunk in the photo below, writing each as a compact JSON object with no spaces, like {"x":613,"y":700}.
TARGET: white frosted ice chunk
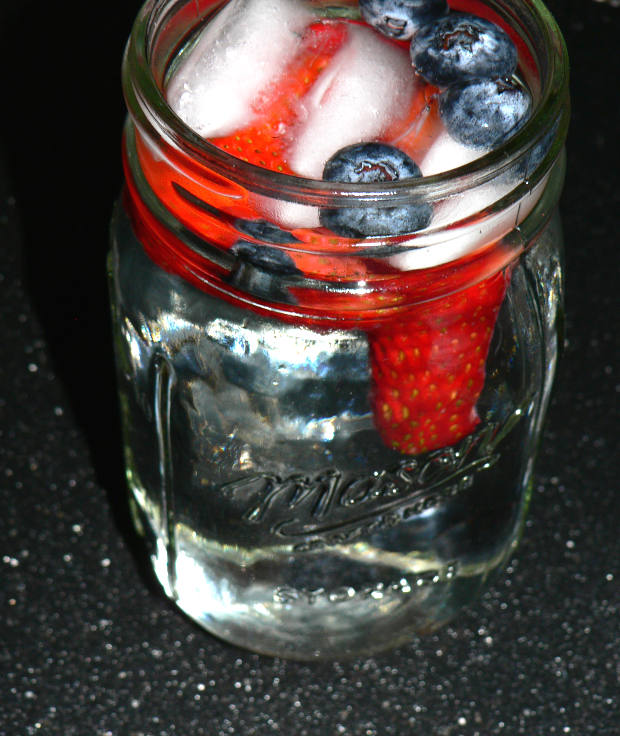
{"x":240,"y":51}
{"x":458,"y":226}
{"x":468,"y":204}
{"x":291,"y":215}
{"x":445,"y":153}
{"x":444,"y":245}
{"x":367,"y":85}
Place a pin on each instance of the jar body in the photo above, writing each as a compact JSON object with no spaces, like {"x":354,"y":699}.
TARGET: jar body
{"x":277,"y":507}
{"x":273,"y":512}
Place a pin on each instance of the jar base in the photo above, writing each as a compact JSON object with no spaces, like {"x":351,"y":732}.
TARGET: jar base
{"x":390,"y":598}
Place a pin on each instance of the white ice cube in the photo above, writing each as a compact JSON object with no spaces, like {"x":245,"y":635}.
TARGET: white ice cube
{"x":441,"y":245}
{"x":367,"y":85}
{"x":242,"y":50}
{"x":291,"y":215}
{"x":445,"y":154}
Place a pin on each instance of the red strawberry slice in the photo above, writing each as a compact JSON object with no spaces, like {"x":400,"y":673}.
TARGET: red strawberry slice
{"x":429,"y":370}
{"x":277,"y":109}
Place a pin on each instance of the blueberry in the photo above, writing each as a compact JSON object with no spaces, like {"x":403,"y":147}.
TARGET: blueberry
{"x":265,"y":231}
{"x":401,"y":18}
{"x":541,"y":149}
{"x":259,"y":270}
{"x":265,"y":258}
{"x":366,"y":163}
{"x":484,"y":113}
{"x":460,"y":47}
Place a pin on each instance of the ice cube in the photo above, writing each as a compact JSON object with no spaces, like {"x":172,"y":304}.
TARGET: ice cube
{"x":239,"y":52}
{"x":443,"y":244}
{"x":445,"y":154}
{"x":365,"y":88}
{"x":290,"y":214}
{"x":464,"y":222}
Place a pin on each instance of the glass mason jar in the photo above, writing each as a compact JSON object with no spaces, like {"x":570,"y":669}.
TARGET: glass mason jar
{"x":329,"y":441}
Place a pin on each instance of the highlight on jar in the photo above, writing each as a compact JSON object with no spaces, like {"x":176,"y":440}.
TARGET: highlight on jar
{"x":336,"y":287}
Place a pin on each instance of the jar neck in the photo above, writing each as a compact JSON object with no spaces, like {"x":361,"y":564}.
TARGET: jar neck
{"x":344,"y":290}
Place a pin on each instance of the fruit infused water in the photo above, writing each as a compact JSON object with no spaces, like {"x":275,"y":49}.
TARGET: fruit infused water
{"x":336,"y":281}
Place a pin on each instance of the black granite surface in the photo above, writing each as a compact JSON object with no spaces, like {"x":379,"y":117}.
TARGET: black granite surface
{"x":88,"y":647}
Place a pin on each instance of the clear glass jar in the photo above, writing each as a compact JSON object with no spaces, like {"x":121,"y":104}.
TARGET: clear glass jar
{"x":290,"y":501}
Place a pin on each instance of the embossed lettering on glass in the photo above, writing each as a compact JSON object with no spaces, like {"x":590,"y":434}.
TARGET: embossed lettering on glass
{"x":337,"y":307}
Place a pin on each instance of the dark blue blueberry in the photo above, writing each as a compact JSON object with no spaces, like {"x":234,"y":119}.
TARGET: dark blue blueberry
{"x":401,"y":18}
{"x":265,"y":231}
{"x":541,"y":149}
{"x":484,"y":113}
{"x":259,"y":271}
{"x":265,"y":258}
{"x":366,"y":163}
{"x":460,"y":47}
{"x":527,"y":165}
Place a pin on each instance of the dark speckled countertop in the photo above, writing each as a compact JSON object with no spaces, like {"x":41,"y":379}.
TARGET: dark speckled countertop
{"x":88,"y":647}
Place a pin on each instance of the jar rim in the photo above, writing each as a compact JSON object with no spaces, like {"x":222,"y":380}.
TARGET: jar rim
{"x":149,"y":108}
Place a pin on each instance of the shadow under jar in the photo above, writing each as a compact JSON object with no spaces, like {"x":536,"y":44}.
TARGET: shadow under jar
{"x":329,"y":441}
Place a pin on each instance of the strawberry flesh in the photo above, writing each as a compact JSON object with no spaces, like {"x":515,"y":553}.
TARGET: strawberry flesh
{"x":428,"y":371}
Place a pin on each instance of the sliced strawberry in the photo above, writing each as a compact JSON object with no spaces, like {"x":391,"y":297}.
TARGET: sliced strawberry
{"x":277,"y":109}
{"x":428,"y":371}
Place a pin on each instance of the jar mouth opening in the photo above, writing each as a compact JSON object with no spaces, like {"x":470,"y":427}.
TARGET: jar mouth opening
{"x":152,"y":113}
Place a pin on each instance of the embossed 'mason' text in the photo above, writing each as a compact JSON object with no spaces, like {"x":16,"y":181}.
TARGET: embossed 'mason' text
{"x":333,"y":507}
